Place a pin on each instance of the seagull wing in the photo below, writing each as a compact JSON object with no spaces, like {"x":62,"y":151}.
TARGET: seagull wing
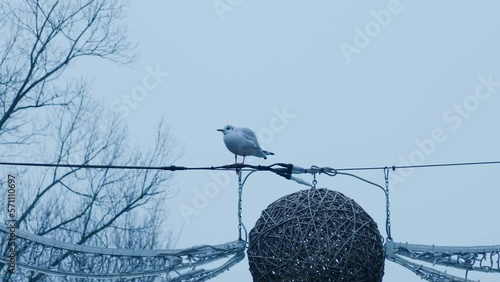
{"x":250,"y":135}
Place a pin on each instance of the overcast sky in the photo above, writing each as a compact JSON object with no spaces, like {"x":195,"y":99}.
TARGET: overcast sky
{"x":327,"y":83}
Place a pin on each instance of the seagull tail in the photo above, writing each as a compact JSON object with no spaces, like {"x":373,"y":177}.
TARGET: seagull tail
{"x":267,"y":152}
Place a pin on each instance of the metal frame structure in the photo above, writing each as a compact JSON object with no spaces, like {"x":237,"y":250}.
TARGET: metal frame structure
{"x":480,"y":258}
{"x":201,"y":263}
{"x":57,"y":258}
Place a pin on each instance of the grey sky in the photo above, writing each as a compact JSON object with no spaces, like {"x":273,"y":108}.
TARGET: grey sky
{"x":282,"y":69}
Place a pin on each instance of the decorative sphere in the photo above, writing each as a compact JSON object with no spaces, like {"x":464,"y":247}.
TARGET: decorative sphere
{"x":316,"y":235}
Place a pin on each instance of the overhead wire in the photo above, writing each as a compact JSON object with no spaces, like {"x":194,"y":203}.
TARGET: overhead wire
{"x":394,"y":167}
{"x":296,"y":169}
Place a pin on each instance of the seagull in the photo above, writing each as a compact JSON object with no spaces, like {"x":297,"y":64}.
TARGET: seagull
{"x":241,"y":141}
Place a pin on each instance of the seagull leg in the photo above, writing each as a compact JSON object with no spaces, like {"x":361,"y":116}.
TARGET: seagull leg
{"x":243,"y":160}
{"x":235,"y":159}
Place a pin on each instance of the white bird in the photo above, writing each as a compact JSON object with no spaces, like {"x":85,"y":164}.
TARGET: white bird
{"x":242,"y":141}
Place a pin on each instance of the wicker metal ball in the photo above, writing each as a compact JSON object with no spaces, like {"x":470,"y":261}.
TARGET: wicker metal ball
{"x":316,"y":235}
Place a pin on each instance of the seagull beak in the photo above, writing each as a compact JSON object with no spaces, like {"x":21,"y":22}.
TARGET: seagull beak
{"x":221,"y":130}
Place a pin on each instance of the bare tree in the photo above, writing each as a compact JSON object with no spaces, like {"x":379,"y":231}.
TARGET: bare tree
{"x":45,"y":38}
{"x":46,"y":117}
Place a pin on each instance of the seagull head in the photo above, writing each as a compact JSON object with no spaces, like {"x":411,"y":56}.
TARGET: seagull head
{"x":226,"y":129}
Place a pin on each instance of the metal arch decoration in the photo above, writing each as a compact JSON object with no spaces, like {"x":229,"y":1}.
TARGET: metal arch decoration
{"x":56,"y":258}
{"x":479,"y":258}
